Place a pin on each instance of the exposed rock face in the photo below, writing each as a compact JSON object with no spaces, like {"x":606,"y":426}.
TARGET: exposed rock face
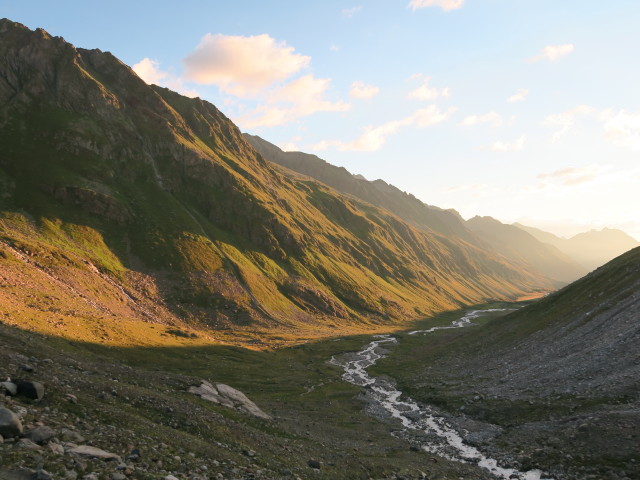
{"x":228,"y":397}
{"x":10,"y":424}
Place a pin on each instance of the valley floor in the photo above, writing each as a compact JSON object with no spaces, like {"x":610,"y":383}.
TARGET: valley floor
{"x":133,"y":402}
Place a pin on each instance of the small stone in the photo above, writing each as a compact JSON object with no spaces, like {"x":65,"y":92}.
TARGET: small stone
{"x":10,"y":424}
{"x":314,"y":464}
{"x":43,"y":475}
{"x":9,"y":387}
{"x":118,"y":476}
{"x":71,"y":398}
{"x":170,"y":477}
{"x":27,"y":444}
{"x":56,"y":448}
{"x":71,"y":475}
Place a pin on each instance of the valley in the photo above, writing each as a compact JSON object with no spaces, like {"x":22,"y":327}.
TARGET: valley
{"x":183,"y":301}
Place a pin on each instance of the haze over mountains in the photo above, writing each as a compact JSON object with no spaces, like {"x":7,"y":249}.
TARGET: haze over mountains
{"x":563,"y":261}
{"x":129,"y":200}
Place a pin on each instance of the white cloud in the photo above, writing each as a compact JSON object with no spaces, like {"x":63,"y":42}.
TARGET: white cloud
{"x":350,"y":12}
{"x":334,"y":48}
{"x":553,"y":52}
{"x":149,"y":71}
{"x":566,"y":120}
{"x":492,"y":117}
{"x":242,"y":66}
{"x":375,"y":137}
{"x":360,"y":90}
{"x":507,"y":146}
{"x":519,"y":96}
{"x":291,"y":145}
{"x":426,"y":93}
{"x":622,"y":128}
{"x":299,"y":98}
{"x":446,"y":5}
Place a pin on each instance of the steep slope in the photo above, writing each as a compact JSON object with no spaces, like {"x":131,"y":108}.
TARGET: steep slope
{"x":518,"y":245}
{"x":590,"y":249}
{"x":556,"y":381}
{"x":376,"y":192}
{"x":125,"y":202}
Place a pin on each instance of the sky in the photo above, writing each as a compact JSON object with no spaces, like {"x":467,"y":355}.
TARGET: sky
{"x":524,"y":110}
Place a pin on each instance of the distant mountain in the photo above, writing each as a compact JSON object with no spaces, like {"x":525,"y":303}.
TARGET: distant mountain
{"x":125,"y":206}
{"x":377,"y":192}
{"x":590,"y":249}
{"x":519,"y":245}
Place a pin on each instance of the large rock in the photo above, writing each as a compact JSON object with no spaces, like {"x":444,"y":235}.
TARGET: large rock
{"x":227,"y":396}
{"x":29,"y":389}
{"x":10,"y":424}
{"x":40,"y":435}
{"x":93,"y":452}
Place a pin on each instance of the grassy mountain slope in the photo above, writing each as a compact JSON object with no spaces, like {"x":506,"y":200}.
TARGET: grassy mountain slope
{"x":518,"y":245}
{"x":559,"y":377}
{"x":590,"y":249}
{"x":376,"y":192}
{"x":125,"y":202}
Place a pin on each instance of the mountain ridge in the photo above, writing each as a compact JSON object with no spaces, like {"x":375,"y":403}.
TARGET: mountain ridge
{"x":113,"y":180}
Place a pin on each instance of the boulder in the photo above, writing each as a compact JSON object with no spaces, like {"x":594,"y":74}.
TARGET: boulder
{"x":10,"y":424}
{"x":88,"y":451}
{"x":29,"y":389}
{"x":227,"y":396}
{"x":240,"y":400}
{"x":9,"y":387}
{"x":40,"y":435}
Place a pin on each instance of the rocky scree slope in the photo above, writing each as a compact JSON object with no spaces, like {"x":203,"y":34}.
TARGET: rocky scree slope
{"x":124,"y":202}
{"x":557,"y":380}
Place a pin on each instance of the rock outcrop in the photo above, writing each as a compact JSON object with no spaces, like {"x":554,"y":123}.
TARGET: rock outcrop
{"x":227,"y":396}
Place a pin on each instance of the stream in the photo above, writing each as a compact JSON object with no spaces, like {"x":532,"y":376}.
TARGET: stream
{"x":435,"y":434}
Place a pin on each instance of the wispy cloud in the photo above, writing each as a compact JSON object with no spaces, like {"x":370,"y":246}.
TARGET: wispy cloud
{"x":350,"y":12}
{"x":572,"y":176}
{"x":553,"y":52}
{"x":567,"y":119}
{"x":622,"y":128}
{"x":492,"y":118}
{"x":242,"y":66}
{"x":425,"y":92}
{"x":360,"y":90}
{"x":375,"y":137}
{"x":519,"y":96}
{"x":445,"y":5}
{"x":500,"y":146}
{"x":150,"y":71}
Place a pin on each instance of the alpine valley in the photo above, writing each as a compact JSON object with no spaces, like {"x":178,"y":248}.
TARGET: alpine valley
{"x":175,"y":297}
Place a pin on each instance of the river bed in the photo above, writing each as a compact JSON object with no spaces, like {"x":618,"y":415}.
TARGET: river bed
{"x":437,"y":436}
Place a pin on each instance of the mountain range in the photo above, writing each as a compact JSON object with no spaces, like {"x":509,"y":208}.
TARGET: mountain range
{"x":129,"y":201}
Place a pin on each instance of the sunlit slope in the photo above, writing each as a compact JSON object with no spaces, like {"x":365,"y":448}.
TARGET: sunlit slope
{"x":108,"y":181}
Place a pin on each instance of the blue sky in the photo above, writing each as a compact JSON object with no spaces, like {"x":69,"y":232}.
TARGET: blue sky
{"x":525,"y":110}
